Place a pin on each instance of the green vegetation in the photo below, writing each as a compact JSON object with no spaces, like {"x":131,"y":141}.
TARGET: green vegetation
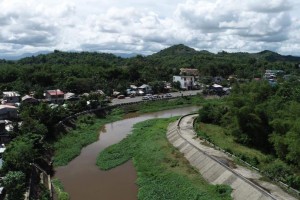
{"x":163,"y":172}
{"x":14,"y":183}
{"x":260,"y":124}
{"x":59,"y":189}
{"x":154,"y":106}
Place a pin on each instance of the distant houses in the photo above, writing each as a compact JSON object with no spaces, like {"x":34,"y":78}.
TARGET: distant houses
{"x":272,"y":75}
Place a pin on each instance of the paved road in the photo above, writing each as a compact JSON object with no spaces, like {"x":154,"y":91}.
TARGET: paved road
{"x":139,"y":98}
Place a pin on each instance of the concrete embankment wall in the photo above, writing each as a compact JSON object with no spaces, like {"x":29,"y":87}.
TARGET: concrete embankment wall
{"x":214,"y":171}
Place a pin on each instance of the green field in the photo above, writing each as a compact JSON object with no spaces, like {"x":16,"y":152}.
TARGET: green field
{"x":163,"y":172}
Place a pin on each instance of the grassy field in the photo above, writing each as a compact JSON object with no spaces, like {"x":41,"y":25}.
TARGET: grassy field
{"x":218,"y":136}
{"x":163,"y":172}
{"x":174,"y":103}
{"x":88,"y":127}
{"x":59,"y":189}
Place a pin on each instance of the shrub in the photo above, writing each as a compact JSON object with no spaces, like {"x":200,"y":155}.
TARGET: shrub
{"x":277,"y":169}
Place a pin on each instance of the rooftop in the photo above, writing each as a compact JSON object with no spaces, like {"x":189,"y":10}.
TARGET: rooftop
{"x":55,"y":92}
{"x":11,"y":94}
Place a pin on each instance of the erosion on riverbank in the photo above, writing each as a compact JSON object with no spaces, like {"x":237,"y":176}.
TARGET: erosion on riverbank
{"x":163,"y":173}
{"x":87,"y":127}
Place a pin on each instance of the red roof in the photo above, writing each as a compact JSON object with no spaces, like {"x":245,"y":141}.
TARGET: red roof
{"x":55,"y":92}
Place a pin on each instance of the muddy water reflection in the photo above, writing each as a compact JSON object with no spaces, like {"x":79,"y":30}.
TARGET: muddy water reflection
{"x":83,"y":180}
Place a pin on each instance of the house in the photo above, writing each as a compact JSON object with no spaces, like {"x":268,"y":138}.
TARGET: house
{"x":11,"y":97}
{"x":29,"y":99}
{"x":186,"y":82}
{"x":8,"y":112}
{"x":217,"y":89}
{"x":144,"y":89}
{"x":55,"y":96}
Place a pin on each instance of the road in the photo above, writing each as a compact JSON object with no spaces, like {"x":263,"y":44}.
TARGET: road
{"x":139,"y":98}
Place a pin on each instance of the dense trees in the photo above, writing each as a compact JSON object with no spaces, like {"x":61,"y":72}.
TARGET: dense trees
{"x":266,"y":118}
{"x":14,"y":182}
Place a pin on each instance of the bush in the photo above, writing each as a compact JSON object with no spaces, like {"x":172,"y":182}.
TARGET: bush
{"x":277,"y":169}
{"x":212,"y":113}
{"x":293,"y":181}
{"x":63,"y":196}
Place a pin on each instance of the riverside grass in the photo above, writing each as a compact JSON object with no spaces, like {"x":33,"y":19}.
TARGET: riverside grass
{"x":163,"y":172}
{"x":88,"y":127}
{"x":217,"y":135}
{"x":59,"y":189}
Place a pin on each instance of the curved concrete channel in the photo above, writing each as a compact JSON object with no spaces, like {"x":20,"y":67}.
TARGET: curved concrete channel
{"x":218,"y":168}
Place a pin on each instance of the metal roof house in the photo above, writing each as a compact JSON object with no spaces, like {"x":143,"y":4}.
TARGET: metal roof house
{"x":55,"y":96}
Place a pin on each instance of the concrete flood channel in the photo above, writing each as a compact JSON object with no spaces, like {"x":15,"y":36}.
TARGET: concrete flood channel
{"x":217,"y":168}
{"x":82,"y":179}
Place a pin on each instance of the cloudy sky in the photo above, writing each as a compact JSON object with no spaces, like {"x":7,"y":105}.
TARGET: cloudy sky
{"x":144,"y":26}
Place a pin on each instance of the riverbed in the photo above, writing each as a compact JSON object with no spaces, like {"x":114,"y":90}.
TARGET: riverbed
{"x":82,"y":179}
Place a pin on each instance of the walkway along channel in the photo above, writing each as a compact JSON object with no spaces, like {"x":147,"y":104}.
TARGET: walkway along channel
{"x":218,"y":168}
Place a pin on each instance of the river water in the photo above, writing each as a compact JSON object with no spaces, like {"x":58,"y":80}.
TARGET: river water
{"x":83,"y":180}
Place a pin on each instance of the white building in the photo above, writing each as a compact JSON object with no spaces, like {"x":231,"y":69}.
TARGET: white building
{"x":186,"y":82}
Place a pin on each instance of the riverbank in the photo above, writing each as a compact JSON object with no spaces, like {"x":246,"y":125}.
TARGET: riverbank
{"x":163,"y":173}
{"x":87,"y":127}
{"x":272,"y":169}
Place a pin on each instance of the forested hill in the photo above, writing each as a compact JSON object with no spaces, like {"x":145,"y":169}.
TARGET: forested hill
{"x":84,"y":71}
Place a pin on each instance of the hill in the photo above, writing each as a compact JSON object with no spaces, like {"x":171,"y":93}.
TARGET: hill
{"x":84,"y":71}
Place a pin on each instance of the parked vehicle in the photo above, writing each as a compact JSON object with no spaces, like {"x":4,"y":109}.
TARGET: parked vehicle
{"x":121,"y":97}
{"x":168,"y":95}
{"x":146,"y":98}
{"x":155,"y":96}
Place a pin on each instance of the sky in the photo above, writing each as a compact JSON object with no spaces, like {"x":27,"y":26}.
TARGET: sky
{"x":146,"y":27}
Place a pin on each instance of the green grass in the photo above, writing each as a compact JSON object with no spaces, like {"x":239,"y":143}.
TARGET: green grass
{"x":218,"y":136}
{"x":59,"y":189}
{"x":163,"y":172}
{"x":86,"y":132}
{"x":153,"y":106}
{"x":87,"y":127}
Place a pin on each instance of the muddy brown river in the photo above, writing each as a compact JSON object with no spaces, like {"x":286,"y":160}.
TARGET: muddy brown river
{"x":83,"y":180}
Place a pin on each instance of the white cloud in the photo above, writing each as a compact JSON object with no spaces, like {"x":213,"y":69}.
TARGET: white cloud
{"x":146,"y":27}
